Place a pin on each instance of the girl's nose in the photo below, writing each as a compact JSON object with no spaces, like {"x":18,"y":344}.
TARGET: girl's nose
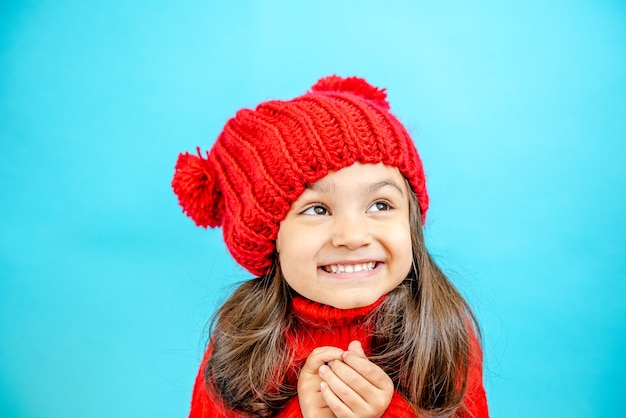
{"x":351,"y":232}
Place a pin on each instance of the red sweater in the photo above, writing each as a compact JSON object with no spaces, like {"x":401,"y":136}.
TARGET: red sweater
{"x":322,"y":325}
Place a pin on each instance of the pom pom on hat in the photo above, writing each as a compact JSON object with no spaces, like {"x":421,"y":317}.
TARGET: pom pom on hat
{"x":198,"y":193}
{"x":355,"y":85}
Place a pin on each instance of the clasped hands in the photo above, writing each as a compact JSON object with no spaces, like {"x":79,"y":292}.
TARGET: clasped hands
{"x":343,"y":384}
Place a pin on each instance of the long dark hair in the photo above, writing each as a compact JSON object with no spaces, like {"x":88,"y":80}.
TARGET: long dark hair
{"x":422,"y":337}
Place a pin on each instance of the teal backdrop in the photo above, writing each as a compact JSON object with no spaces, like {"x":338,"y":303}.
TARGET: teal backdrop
{"x":518,"y":109}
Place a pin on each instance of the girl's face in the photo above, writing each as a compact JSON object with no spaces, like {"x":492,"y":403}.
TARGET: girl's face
{"x":346,"y":241}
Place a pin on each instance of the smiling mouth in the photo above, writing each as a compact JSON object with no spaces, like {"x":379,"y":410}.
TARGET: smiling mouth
{"x":349,"y":268}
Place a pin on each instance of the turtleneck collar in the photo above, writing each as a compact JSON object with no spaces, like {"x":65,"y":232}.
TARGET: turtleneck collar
{"x":317,"y":314}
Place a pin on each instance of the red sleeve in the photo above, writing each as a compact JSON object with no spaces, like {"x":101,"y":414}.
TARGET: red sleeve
{"x":202,"y":404}
{"x":475,"y":400}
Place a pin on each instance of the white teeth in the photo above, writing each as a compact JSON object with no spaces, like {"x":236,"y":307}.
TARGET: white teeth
{"x":350,"y":268}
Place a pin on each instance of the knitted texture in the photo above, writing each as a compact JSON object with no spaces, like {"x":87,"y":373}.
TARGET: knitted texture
{"x":264,"y":158}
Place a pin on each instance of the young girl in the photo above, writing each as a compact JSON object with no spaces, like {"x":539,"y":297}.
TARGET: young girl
{"x":323,"y":199}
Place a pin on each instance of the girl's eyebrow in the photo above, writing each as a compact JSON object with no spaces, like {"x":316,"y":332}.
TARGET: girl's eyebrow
{"x":320,"y":186}
{"x":384,"y":183}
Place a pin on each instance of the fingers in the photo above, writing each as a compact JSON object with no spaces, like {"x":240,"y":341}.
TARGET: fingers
{"x":354,"y":386}
{"x":345,"y":383}
{"x":319,"y":357}
{"x":356,"y":347}
{"x":372,"y":373}
{"x":340,"y":389}
{"x":348,"y":394}
{"x":356,"y":358}
{"x":336,"y":404}
{"x":312,"y":403}
{"x":351,"y":385}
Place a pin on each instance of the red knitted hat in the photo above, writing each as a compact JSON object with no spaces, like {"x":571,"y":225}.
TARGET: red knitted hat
{"x":264,"y":159}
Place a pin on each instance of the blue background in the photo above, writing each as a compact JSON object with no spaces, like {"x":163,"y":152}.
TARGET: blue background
{"x":518,"y":109}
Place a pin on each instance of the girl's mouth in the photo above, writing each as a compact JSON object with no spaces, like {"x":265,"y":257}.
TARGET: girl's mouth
{"x":349,"y":268}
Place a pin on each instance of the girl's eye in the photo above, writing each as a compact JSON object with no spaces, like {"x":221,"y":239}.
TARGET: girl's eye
{"x":380,"y":206}
{"x":317,"y":210}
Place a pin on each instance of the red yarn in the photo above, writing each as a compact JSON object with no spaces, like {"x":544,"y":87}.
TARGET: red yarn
{"x":355,"y":85}
{"x":194,"y":184}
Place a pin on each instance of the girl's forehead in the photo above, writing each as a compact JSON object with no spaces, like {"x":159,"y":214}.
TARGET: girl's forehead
{"x":360,"y":174}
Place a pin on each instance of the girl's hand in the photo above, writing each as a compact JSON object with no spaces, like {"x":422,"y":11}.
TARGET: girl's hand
{"x":354,"y":386}
{"x":312,"y":403}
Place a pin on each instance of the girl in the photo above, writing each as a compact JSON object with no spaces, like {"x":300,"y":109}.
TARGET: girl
{"x":323,"y":199}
